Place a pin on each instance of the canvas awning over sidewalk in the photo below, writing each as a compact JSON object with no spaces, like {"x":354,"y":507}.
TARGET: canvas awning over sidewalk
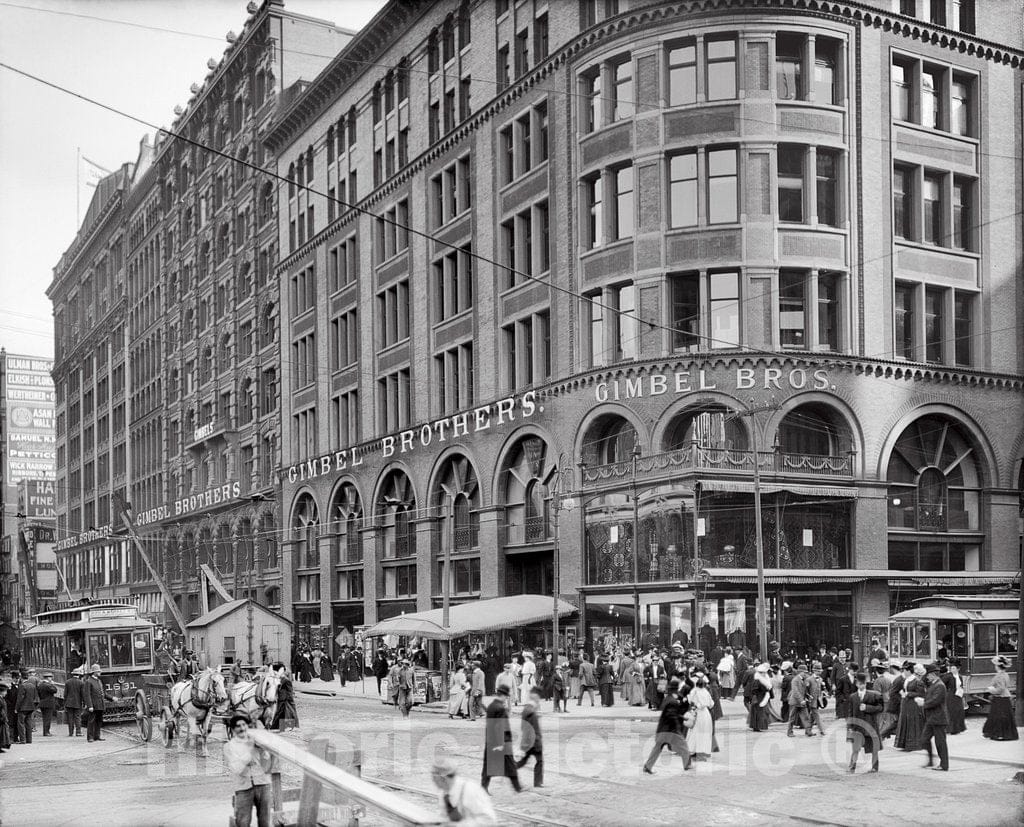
{"x":475,"y":616}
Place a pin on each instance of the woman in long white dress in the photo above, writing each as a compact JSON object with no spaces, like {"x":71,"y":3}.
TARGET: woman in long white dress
{"x":457,"y":692}
{"x":775,"y":702}
{"x":529,"y":674}
{"x":701,"y":735}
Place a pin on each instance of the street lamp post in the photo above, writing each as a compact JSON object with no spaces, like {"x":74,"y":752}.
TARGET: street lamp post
{"x":446,"y":597}
{"x":556,"y":506}
{"x":636,"y":551}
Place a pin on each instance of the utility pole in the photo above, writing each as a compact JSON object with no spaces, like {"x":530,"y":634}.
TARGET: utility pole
{"x":446,"y":598}
{"x":636,"y":553}
{"x":123,"y":508}
{"x":762,"y":618}
{"x":556,"y":501}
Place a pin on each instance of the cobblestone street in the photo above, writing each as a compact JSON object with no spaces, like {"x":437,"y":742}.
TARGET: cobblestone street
{"x":592,"y":758}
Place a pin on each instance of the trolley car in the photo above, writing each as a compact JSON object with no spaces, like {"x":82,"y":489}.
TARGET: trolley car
{"x":972,"y":628}
{"x":112,"y":635}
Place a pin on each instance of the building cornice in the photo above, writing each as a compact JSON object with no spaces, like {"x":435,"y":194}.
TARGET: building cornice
{"x":85,"y":242}
{"x":378,"y":36}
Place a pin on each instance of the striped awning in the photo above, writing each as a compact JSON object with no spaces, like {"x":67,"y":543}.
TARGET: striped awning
{"x":939,"y":579}
{"x":789,"y":576}
{"x":747,"y":487}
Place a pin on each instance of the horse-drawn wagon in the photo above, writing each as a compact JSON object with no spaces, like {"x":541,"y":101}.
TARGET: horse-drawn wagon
{"x":188,"y":708}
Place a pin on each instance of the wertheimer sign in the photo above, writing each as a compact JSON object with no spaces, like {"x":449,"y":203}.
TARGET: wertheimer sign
{"x":451,"y":427}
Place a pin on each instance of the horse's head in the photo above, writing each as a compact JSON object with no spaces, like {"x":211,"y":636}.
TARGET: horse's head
{"x":220,"y":692}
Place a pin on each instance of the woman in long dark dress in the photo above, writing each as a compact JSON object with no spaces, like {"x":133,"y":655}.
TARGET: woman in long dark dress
{"x":1000,"y":726}
{"x":285,"y":716}
{"x":911,"y":723}
{"x":757,"y":718}
{"x":954,"y":698}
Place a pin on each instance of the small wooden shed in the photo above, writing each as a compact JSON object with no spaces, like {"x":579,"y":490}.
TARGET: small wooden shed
{"x":240,"y":630}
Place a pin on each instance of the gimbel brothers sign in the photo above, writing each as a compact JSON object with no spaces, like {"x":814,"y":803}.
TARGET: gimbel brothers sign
{"x":455,"y":426}
{"x":688,"y":381}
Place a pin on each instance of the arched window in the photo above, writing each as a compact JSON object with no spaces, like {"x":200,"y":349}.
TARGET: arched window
{"x":709,"y":426}
{"x":395,"y":507}
{"x":934,"y":478}
{"x":305,"y":520}
{"x":610,"y":438}
{"x":458,"y":495}
{"x":526,"y":472}
{"x":266,"y":208}
{"x":345,"y":519}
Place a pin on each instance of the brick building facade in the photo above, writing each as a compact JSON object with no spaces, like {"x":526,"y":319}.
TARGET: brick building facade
{"x":531,"y":250}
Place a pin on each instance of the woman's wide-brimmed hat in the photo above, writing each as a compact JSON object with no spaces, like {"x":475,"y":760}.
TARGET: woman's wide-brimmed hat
{"x":1001,"y":661}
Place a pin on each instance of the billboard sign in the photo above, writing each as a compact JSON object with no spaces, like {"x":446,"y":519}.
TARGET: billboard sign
{"x":31,"y":449}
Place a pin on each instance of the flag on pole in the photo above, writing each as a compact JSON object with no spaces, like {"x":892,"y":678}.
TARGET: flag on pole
{"x":92,"y":173}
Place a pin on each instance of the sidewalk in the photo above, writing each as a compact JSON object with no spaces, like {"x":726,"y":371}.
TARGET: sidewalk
{"x":968,"y":746}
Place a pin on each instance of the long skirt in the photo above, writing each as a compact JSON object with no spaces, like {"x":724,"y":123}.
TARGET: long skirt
{"x":910,"y":726}
{"x":654,"y":697}
{"x":607,"y":694}
{"x":285,"y":717}
{"x":999,"y":725}
{"x":456,"y":702}
{"x":635,"y":690}
{"x":326,"y":670}
{"x":955,"y":711}
{"x":701,"y":735}
{"x":757,"y":718}
{"x":574,"y":686}
{"x":716,"y":709}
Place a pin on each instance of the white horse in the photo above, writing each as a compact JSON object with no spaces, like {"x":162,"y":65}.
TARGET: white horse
{"x":195,"y":698}
{"x":256,"y":698}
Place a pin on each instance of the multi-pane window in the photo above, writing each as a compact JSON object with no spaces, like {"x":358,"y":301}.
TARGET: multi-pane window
{"x":902,"y":203}
{"x":623,"y":102}
{"x":809,"y":310}
{"x":454,"y":374}
{"x":934,"y":324}
{"x":522,"y":54}
{"x":721,"y":69}
{"x":724,"y":309}
{"x":795,"y":79}
{"x":504,"y":68}
{"x":453,"y":283}
{"x":540,"y":38}
{"x":962,"y":214}
{"x":451,"y":189}
{"x":723,"y":189}
{"x":622,"y":216}
{"x":394,"y":406}
{"x":393,"y":231}
{"x":684,"y":291}
{"x":612,"y":324}
{"x":526,"y":345}
{"x":682,"y":74}
{"x":304,"y":361}
{"x":683,"y":190}
{"x":963,"y":327}
{"x":931,"y":194}
{"x":303,"y":290}
{"x":342,"y":264}
{"x":400,"y":581}
{"x":794,"y":191}
{"x":932,"y":95}
{"x":591,"y":91}
{"x":525,"y":243}
{"x":304,"y":433}
{"x":464,"y":574}
{"x":789,"y":50}
{"x":904,"y":320}
{"x":345,"y":418}
{"x":523,"y":144}
{"x":345,"y":339}
{"x":593,"y":189}
{"x":393,"y":314}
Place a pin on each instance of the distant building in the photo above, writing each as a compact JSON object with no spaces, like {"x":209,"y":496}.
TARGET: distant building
{"x":27,"y":487}
{"x":166,"y":320}
{"x":585,"y":240}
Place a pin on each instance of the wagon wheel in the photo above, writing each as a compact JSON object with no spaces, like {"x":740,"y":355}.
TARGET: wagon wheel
{"x":167,"y":728}
{"x":142,"y":719}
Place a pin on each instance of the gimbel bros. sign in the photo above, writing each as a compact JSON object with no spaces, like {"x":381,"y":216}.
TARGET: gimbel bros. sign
{"x":458,"y":425}
{"x":689,"y":381}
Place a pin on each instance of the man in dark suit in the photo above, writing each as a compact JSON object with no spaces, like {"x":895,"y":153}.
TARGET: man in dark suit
{"x":862,"y":721}
{"x":498,"y":758}
{"x":476,"y":691}
{"x":936,"y":719}
{"x":26,"y":705}
{"x":532,"y":741}
{"x":96,"y":702}
{"x":846,"y":685}
{"x":74,"y":693}
{"x":670,"y":729}
{"x":47,"y":700}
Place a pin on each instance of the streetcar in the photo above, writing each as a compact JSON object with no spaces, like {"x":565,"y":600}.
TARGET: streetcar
{"x":972,"y":628}
{"x":110,"y":634}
